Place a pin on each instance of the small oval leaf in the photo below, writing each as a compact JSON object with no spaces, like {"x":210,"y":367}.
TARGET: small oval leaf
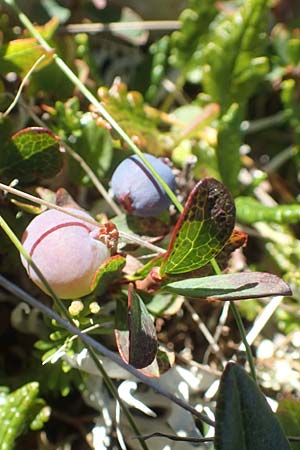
{"x":31,"y":154}
{"x":202,"y":230}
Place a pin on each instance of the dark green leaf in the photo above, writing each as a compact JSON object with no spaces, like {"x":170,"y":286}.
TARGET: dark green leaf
{"x":135,"y":334}
{"x":202,"y":229}
{"x":32,"y":153}
{"x":244,"y":420}
{"x":233,"y":286}
{"x":142,"y":334}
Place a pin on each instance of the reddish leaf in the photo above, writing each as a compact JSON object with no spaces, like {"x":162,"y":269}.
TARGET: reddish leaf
{"x":136,"y":339}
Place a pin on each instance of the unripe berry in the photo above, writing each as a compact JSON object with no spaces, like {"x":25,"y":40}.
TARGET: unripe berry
{"x":66,"y":250}
{"x":136,"y":189}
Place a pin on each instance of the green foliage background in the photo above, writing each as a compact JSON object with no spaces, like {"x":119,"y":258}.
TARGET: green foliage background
{"x":219,"y":97}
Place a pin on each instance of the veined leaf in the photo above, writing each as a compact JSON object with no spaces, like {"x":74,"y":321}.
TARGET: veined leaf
{"x":31,"y":154}
{"x":202,"y":229}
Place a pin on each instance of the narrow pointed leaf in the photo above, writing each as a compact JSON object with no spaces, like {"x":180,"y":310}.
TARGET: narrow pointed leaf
{"x":202,"y":230}
{"x":142,"y":333}
{"x":233,"y":286}
{"x":18,"y":411}
{"x":135,"y":332}
{"x":244,"y":420}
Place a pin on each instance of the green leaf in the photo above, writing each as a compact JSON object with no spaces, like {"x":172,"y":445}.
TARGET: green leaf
{"x":20,"y":55}
{"x":286,"y":43}
{"x":228,"y":147}
{"x":135,"y":334}
{"x":188,"y":42}
{"x":291,"y":105}
{"x":233,"y":286}
{"x":108,"y":272}
{"x":202,"y":229}
{"x":244,"y":420}
{"x":18,"y":410}
{"x":233,"y":59}
{"x":142,"y":333}
{"x":159,"y":51}
{"x":32,"y":153}
{"x":288,"y":413}
{"x":250,"y":210}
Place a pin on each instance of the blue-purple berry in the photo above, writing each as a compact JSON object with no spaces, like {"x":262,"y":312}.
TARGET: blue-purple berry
{"x":136,"y":189}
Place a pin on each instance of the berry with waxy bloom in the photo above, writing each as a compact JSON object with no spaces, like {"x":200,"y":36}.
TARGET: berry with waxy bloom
{"x":137,"y":190}
{"x":67,"y":250}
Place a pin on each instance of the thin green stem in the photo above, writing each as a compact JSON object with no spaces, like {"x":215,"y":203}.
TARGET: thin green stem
{"x":242,"y":331}
{"x":240,"y":325}
{"x":64,"y":311}
{"x":93,"y":100}
{"x":100,"y":348}
{"x":127,"y":236}
{"x":19,"y":92}
{"x":13,"y":238}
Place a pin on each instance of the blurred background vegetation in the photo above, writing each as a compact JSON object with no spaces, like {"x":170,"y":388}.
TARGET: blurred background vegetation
{"x":212,"y":85}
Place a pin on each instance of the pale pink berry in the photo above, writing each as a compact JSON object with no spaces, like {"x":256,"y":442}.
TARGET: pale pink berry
{"x":66,"y":250}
